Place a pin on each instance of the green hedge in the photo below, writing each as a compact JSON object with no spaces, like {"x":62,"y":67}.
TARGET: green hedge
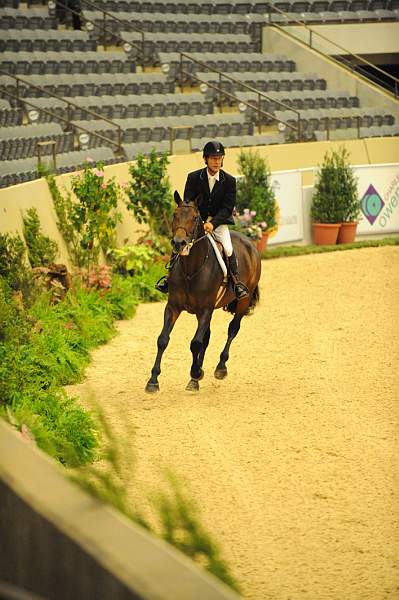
{"x":47,"y":347}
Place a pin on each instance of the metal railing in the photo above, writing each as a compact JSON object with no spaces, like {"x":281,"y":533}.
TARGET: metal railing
{"x":104,"y":31}
{"x":348,"y":64}
{"x":66,"y":120}
{"x":222,"y":92}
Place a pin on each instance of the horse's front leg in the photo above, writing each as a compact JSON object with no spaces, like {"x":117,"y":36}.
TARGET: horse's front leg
{"x":170,"y":316}
{"x":234,"y":327}
{"x":198,"y":346}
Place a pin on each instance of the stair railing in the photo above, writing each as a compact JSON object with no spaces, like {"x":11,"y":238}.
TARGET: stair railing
{"x":348,"y":64}
{"x":21,"y":101}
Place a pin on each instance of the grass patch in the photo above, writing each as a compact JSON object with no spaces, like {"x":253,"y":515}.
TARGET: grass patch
{"x":283,"y":251}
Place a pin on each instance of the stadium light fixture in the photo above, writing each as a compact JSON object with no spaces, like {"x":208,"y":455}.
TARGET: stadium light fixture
{"x":33,"y":115}
{"x":84,"y":139}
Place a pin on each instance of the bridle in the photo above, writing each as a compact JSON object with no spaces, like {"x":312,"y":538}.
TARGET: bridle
{"x":194,"y":239}
{"x":187,"y":247}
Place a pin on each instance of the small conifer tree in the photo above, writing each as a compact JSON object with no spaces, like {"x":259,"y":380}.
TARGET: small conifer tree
{"x":336,"y":197}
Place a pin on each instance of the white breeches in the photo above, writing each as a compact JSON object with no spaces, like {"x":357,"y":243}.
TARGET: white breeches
{"x":222,"y":235}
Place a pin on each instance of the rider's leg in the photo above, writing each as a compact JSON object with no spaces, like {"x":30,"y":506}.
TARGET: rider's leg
{"x":222,"y":234}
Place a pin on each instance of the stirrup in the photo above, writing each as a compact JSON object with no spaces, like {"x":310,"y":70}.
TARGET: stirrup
{"x":162,"y":285}
{"x":241,"y":291}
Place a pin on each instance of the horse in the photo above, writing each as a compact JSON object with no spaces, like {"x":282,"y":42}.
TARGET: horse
{"x":194,"y":286}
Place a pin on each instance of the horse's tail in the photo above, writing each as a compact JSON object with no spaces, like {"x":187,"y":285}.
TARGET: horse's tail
{"x":254,"y":299}
{"x":253,"y":302}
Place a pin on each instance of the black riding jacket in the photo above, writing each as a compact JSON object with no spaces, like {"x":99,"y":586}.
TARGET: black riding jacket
{"x":218,"y":204}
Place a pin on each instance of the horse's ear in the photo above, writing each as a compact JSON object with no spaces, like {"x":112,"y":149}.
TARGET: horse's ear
{"x":177,"y":198}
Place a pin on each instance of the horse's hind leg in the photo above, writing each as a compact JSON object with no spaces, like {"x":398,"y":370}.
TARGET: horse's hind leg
{"x":170,"y":316}
{"x":198,"y":347}
{"x":234,"y":327}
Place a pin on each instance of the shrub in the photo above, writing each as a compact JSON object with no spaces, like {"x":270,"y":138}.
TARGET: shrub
{"x":41,"y":249}
{"x":335,"y":199}
{"x":88,"y":225}
{"x":149,"y":194}
{"x":13,"y":265}
{"x":131,"y":260}
{"x":254,"y":190}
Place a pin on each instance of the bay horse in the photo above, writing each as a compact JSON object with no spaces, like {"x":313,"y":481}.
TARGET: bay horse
{"x":194,"y":284}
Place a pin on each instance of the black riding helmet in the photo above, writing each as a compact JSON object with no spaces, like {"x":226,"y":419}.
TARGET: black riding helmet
{"x":213,"y":148}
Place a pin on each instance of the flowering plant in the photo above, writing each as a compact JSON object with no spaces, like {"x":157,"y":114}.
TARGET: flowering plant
{"x":255,"y":190}
{"x":94,"y":216}
{"x":247,"y":224}
{"x":97,"y":276}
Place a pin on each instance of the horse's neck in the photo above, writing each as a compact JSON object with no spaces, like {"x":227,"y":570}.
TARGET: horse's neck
{"x":197,"y":256}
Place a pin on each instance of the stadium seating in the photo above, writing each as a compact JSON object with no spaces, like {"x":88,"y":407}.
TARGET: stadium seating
{"x":146,"y":106}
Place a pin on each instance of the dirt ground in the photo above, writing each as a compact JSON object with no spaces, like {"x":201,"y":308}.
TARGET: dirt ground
{"x":293,"y":459}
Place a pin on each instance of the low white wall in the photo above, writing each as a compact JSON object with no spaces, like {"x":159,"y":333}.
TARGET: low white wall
{"x":62,"y":544}
{"x":355,"y":38}
{"x":302,"y":159}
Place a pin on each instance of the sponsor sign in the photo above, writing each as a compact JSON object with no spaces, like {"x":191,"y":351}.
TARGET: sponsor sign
{"x":379,"y":198}
{"x":287,"y":187}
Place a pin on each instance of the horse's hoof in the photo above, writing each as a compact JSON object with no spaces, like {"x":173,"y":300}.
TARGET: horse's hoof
{"x":192,"y":386}
{"x":220,"y":373}
{"x":151,"y":388}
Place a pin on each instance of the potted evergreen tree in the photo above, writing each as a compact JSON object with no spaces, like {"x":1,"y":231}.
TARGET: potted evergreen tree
{"x":335,"y":199}
{"x":255,"y":197}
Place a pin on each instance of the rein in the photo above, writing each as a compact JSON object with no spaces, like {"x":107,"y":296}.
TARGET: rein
{"x":194,"y":240}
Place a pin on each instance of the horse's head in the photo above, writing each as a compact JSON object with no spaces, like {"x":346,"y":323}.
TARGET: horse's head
{"x":186,"y":225}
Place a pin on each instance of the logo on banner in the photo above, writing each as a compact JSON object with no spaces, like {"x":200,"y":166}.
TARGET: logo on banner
{"x":371,"y":204}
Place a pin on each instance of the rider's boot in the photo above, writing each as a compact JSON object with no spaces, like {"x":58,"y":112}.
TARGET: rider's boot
{"x":240,"y":289}
{"x":162,"y":283}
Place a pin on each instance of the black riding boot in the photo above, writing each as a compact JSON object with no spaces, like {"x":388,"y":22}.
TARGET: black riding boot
{"x":162,"y":284}
{"x":240,"y":289}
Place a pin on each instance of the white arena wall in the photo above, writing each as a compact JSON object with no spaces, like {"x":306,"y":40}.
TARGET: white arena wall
{"x":293,"y":169}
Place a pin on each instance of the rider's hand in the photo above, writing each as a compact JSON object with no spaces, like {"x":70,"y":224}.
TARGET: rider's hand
{"x":208,"y":227}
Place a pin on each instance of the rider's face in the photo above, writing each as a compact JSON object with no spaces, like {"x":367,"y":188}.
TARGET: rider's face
{"x":214,"y":163}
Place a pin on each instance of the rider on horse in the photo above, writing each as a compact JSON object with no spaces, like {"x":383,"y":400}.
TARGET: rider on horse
{"x":216,"y":191}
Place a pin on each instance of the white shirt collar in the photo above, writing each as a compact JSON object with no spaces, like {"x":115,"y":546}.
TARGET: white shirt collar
{"x":215,"y":177}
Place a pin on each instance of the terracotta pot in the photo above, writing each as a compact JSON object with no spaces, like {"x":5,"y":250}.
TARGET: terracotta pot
{"x":347,"y":232}
{"x":261,"y":244}
{"x":325,"y":234}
